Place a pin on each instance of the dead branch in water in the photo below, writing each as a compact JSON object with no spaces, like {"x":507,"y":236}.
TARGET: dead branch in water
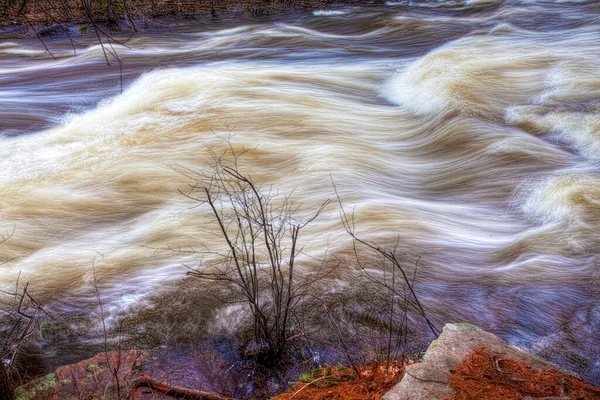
{"x":388,"y":255}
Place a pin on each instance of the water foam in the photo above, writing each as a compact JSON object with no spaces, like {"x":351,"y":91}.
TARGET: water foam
{"x":329,"y":13}
{"x":485,"y":76}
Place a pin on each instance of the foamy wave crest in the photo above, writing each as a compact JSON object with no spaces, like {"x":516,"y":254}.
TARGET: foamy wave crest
{"x":457,"y":78}
{"x":566,"y":208}
{"x":572,"y":197}
{"x":567,"y":109}
{"x":478,"y":2}
{"x":485,"y":75}
{"x":329,"y":13}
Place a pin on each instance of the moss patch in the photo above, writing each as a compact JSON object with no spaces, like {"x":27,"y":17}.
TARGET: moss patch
{"x":94,"y":368}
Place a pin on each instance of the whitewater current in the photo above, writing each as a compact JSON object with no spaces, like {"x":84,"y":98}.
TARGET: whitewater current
{"x":465,"y":133}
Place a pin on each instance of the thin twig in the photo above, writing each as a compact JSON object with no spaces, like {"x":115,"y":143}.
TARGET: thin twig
{"x":311,"y":382}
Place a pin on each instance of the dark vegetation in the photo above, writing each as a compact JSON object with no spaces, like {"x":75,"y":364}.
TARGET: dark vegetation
{"x":104,"y":20}
{"x":19,"y":313}
{"x":136,"y":13}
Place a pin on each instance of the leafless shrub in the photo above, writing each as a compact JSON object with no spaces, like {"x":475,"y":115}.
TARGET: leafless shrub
{"x":396,"y":282}
{"x":19,"y":314}
{"x":390,"y":257}
{"x":118,"y":358}
{"x":261,"y":232}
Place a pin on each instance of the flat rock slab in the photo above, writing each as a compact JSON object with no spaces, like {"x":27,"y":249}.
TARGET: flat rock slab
{"x":428,"y":380}
{"x":96,"y":378}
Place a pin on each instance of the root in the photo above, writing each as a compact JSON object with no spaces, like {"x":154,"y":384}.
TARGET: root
{"x":173,"y":391}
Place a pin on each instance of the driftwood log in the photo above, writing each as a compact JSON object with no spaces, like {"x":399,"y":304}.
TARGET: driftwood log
{"x":173,"y":391}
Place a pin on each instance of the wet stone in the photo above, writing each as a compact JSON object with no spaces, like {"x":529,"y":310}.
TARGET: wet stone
{"x":428,"y":380}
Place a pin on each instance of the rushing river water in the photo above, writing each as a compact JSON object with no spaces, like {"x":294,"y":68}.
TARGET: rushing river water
{"x":469,"y":133}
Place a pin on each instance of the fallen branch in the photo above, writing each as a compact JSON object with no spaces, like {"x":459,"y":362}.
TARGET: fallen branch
{"x":173,"y":391}
{"x":311,"y":382}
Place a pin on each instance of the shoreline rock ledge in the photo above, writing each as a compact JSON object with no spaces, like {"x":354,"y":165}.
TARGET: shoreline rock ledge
{"x":428,"y":380}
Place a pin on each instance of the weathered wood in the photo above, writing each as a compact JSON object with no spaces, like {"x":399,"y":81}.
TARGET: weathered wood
{"x":174,"y":391}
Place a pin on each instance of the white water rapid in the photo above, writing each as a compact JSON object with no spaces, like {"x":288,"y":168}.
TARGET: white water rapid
{"x":467,"y":132}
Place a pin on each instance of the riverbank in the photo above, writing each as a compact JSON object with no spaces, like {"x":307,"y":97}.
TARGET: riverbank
{"x":55,"y":18}
{"x":463,"y":362}
{"x":152,"y":374}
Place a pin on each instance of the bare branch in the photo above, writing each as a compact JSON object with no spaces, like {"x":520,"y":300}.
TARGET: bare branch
{"x":390,"y":255}
{"x":261,"y":235}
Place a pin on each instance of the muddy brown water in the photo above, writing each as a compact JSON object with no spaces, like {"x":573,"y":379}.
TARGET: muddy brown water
{"x":467,"y":132}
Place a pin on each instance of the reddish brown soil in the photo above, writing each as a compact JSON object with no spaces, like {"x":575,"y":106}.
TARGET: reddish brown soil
{"x":344,"y":384}
{"x":483,"y":375}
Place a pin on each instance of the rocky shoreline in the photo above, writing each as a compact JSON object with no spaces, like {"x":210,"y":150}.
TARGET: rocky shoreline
{"x":151,"y":374}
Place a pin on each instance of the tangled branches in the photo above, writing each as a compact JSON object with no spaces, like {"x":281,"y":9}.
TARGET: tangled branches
{"x":261,"y":234}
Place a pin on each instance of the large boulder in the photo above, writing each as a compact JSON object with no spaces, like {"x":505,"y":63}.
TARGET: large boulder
{"x":428,"y":380}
